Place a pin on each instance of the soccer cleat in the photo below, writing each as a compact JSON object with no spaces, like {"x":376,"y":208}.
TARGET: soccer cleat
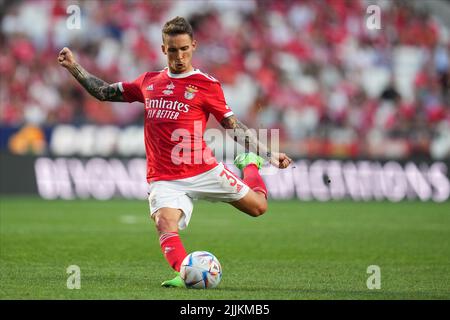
{"x":176,"y":282}
{"x":244,"y":159}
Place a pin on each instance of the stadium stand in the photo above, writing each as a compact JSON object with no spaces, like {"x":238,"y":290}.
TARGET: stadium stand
{"x":310,"y":68}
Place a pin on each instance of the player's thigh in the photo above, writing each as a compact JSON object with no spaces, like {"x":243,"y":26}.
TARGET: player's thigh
{"x":253,"y":203}
{"x":218,"y":184}
{"x":169,"y":203}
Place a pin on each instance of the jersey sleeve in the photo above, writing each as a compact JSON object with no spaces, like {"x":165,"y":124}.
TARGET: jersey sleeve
{"x":216,"y":104}
{"x":131,"y":91}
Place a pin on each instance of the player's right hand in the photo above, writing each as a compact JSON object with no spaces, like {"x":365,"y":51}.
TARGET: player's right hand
{"x":65,"y":58}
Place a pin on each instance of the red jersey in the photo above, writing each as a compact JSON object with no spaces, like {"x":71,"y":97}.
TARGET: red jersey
{"x":177,"y":107}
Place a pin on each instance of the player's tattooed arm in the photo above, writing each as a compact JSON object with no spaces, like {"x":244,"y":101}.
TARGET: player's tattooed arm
{"x":248,"y":138}
{"x":96,"y":87}
{"x":244,"y":136}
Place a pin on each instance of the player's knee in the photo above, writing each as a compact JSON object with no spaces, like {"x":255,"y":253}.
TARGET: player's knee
{"x":165,"y":223}
{"x":259,"y":209}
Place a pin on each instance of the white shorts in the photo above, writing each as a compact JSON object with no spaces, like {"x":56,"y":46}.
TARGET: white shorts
{"x":217,"y":184}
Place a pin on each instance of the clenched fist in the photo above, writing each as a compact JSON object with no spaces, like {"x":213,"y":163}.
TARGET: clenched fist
{"x":280,"y":160}
{"x":65,"y":58}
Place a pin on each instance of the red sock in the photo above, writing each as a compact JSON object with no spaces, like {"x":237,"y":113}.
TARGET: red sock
{"x":173,"y":249}
{"x":253,"y":179}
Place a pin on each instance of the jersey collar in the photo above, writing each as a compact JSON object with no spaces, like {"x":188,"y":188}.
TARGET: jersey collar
{"x":181,"y":75}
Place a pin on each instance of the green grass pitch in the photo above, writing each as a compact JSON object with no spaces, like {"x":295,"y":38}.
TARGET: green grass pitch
{"x":297,"y":250}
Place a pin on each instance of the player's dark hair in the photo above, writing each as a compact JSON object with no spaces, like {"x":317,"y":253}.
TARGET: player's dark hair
{"x":178,"y":25}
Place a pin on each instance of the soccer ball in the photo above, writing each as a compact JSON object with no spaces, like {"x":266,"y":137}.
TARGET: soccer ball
{"x":201,"y":270}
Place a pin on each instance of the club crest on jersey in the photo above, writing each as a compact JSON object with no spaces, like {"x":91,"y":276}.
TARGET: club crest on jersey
{"x":189,"y":94}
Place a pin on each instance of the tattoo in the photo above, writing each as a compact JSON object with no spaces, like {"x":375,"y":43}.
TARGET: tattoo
{"x":245,"y":137}
{"x":98,"y":88}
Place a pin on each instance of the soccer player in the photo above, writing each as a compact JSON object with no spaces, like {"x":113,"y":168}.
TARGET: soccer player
{"x":180,"y":166}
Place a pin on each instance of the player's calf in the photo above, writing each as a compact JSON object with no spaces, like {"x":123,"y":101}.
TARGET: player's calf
{"x":166,"y":220}
{"x":255,"y":202}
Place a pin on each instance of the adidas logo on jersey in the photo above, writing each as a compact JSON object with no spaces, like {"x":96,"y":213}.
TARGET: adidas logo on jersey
{"x":149,"y":88}
{"x":169,"y":89}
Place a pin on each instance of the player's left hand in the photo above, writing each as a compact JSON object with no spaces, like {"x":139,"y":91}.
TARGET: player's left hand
{"x":280,"y":160}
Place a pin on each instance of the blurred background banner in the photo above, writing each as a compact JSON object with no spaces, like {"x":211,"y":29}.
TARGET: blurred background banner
{"x":106,"y":178}
{"x":364,"y":98}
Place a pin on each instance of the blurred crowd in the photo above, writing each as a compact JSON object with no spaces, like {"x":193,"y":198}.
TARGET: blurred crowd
{"x":311,"y":68}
